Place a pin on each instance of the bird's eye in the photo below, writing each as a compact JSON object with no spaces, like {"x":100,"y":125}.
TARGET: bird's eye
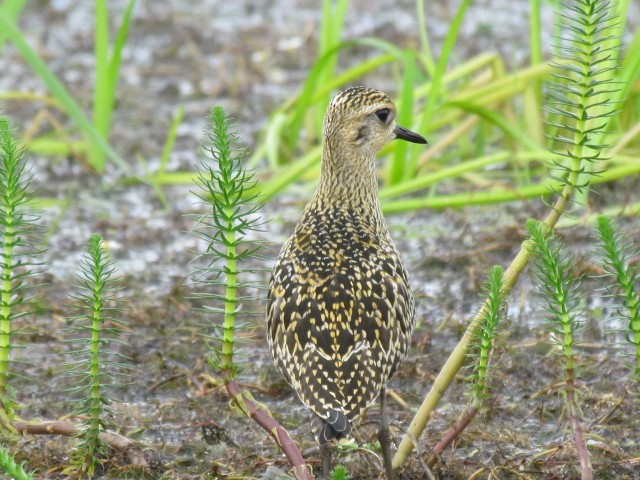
{"x":383,"y":114}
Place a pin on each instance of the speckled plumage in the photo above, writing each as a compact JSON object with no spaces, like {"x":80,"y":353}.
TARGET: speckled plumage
{"x":340,"y":310}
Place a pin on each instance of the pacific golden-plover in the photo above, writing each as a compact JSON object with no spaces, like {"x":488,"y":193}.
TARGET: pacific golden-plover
{"x":340,"y":311}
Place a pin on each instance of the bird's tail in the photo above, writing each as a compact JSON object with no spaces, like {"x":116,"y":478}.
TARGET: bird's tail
{"x":335,"y":425}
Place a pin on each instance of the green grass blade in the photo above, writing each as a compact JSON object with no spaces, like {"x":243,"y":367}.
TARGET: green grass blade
{"x":164,"y":178}
{"x":499,"y":121}
{"x":13,"y":8}
{"x":307,"y":95}
{"x":424,"y":181}
{"x":107,"y":71}
{"x":58,"y":90}
{"x":275,"y":130}
{"x":333,"y":15}
{"x":353,"y":73}
{"x":285,"y":176}
{"x":500,"y":195}
{"x":535,"y":30}
{"x":533,"y":95}
{"x":153,"y":179}
{"x":459,"y":72}
{"x":171,"y":139}
{"x":102,"y":99}
{"x":118,"y":46}
{"x":401,"y":169}
{"x":627,"y":77}
{"x":437,"y":80}
{"x":535,"y":44}
{"x":279,"y":128}
{"x":620,"y":13}
{"x":503,"y":87}
{"x":425,"y":47}
{"x":55,"y":147}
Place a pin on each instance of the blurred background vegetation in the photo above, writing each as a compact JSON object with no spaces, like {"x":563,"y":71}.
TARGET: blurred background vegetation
{"x":110,"y":101}
{"x":465,"y":75}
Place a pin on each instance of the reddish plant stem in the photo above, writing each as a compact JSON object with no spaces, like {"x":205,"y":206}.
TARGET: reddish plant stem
{"x":271,"y":426}
{"x":578,"y":434}
{"x":451,"y":434}
{"x":68,"y":429}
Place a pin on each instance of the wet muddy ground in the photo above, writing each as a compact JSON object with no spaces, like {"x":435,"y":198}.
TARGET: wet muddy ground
{"x":249,"y":57}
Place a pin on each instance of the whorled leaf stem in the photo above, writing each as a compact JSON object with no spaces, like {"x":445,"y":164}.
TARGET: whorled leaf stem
{"x":616,"y":253}
{"x":19,"y":256}
{"x":93,"y":366}
{"x":558,"y":286}
{"x":487,"y":335}
{"x":232,"y":215}
{"x":481,"y":352}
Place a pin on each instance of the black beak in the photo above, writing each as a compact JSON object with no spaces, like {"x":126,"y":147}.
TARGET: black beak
{"x":406,"y":134}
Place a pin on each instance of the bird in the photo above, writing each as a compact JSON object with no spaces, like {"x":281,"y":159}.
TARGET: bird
{"x":340,"y":311}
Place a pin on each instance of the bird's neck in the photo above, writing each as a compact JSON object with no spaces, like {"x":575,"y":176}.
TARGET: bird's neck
{"x":347,"y":181}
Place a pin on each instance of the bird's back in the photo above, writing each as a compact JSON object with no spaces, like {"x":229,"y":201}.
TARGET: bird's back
{"x":340,"y":310}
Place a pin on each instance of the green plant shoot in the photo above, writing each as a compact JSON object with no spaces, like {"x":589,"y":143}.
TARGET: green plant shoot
{"x":340,"y":473}
{"x":12,"y":468}
{"x":555,"y":278}
{"x":558,"y":286}
{"x":616,"y":253}
{"x":19,"y":256}
{"x":93,"y":366}
{"x":580,"y":104}
{"x":233,"y":213}
{"x":487,"y":335}
{"x":230,"y":194}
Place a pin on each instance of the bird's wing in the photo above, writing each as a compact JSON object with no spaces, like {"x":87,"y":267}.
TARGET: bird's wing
{"x":338,"y":325}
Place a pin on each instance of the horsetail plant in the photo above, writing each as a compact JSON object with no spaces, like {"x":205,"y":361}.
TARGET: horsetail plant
{"x":482,"y":352}
{"x":223,"y":183}
{"x":487,"y":335}
{"x":231,"y":196}
{"x":559,"y":286}
{"x":19,"y":255}
{"x":340,"y":473}
{"x":580,"y":94}
{"x":616,"y":253}
{"x":579,"y":113}
{"x":12,"y":468}
{"x":93,"y":366}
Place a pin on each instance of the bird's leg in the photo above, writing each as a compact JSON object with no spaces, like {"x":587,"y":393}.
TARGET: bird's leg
{"x":325,"y":453}
{"x":384,"y":436}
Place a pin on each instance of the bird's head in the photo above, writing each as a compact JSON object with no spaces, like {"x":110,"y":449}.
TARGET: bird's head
{"x":363,"y":120}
